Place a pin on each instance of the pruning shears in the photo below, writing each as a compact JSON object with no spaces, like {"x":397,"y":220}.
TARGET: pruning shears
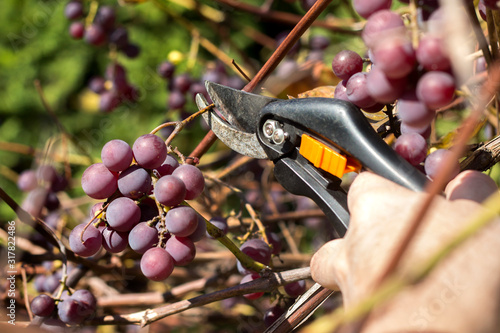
{"x":313,"y":142}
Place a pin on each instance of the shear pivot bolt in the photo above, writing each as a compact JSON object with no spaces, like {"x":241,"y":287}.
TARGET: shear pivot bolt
{"x":279,"y":136}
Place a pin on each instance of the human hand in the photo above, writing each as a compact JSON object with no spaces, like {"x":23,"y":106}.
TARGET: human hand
{"x":459,"y":295}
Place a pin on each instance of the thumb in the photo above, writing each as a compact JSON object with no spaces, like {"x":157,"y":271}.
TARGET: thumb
{"x":329,"y":265}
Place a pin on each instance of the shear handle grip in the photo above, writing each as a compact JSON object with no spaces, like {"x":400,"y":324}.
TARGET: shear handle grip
{"x":344,"y":125}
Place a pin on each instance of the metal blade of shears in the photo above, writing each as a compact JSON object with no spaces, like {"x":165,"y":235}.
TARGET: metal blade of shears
{"x":238,"y":140}
{"x":241,"y":109}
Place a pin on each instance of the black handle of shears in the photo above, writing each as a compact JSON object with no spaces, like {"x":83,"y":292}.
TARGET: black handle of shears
{"x":343,"y":125}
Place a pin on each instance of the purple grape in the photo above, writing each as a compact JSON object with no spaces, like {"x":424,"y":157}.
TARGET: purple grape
{"x":256,"y":249}
{"x":366,"y":8}
{"x":380,"y":25}
{"x":170,"y":190}
{"x":87,"y":302}
{"x":51,"y":283}
{"x":341,"y":91}
{"x":382,"y":88}
{"x":116,"y":155}
{"x":275,"y":241}
{"x":192,"y":178}
{"x":176,"y":100}
{"x":46,"y":173}
{"x":347,"y":63}
{"x":357,"y":91}
{"x":109,"y":101}
{"x":132,"y":50}
{"x":35,"y":201}
{"x":114,"y":241}
{"x":248,"y":278}
{"x":181,"y":83}
{"x":481,"y":65}
{"x":412,"y":147}
{"x":134,"y":182}
{"x":98,"y":182}
{"x":77,"y":30}
{"x":166,"y":69}
{"x":95,"y":35}
{"x":73,"y":10}
{"x":181,"y":221}
{"x":395,"y":57}
{"x":435,"y":161}
{"x":52,"y":201}
{"x":220,"y":223}
{"x":39,"y":283}
{"x":412,"y":111}
{"x":181,"y":249}
{"x":92,"y":240}
{"x":157,"y":264}
{"x":149,"y":151}
{"x":71,"y":312}
{"x":142,"y":237}
{"x":123,"y":214}
{"x":119,"y":37}
{"x":97,"y":84}
{"x":105,"y":17}
{"x":295,"y":289}
{"x":27,"y":181}
{"x":424,"y":131}
{"x":319,"y":42}
{"x":436,"y":89}
{"x":201,"y":230}
{"x":431,"y":53}
{"x":272,"y":314}
{"x":168,"y":166}
{"x":43,"y":305}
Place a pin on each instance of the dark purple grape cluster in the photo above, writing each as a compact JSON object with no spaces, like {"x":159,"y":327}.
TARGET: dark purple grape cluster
{"x":162,"y":230}
{"x":114,"y":89}
{"x":182,"y":85}
{"x":71,"y":309}
{"x":42,"y":186}
{"x":417,"y":79}
{"x":102,"y":31}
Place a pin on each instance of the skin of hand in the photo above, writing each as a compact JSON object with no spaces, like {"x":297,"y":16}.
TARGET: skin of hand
{"x":462,"y":294}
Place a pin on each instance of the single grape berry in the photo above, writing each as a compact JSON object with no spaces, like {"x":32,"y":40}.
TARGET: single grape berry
{"x":157,"y":264}
{"x":181,"y":221}
{"x":43,"y":305}
{"x":181,"y":249}
{"x":436,"y":89}
{"x":142,"y":237}
{"x":200,"y":231}
{"x":114,"y":241}
{"x":366,"y":8}
{"x":272,"y":314}
{"x":97,"y":84}
{"x":149,"y":151}
{"x":220,"y":223}
{"x":70,"y":311}
{"x":176,"y":100}
{"x":77,"y":30}
{"x":73,"y":10}
{"x":92,"y":240}
{"x":116,"y":155}
{"x":168,"y":166}
{"x":412,"y":111}
{"x":382,"y":88}
{"x":166,"y":70}
{"x":87,"y":301}
{"x":109,"y":101}
{"x":170,"y":190}
{"x":134,"y":182}
{"x":347,"y":63}
{"x":98,"y":182}
{"x":95,"y":35}
{"x":357,"y":91}
{"x":412,"y":147}
{"x":395,"y":56}
{"x":381,"y":24}
{"x":123,"y":214}
{"x":27,"y":181}
{"x":192,"y":178}
{"x":434,"y":162}
{"x":295,"y":289}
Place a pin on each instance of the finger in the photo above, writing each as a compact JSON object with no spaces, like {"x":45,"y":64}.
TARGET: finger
{"x":471,"y":185}
{"x":329,"y":265}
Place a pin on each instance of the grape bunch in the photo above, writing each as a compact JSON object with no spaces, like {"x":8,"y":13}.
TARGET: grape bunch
{"x":416,"y":79}
{"x":71,"y":309}
{"x":114,"y":88}
{"x":162,"y":230}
